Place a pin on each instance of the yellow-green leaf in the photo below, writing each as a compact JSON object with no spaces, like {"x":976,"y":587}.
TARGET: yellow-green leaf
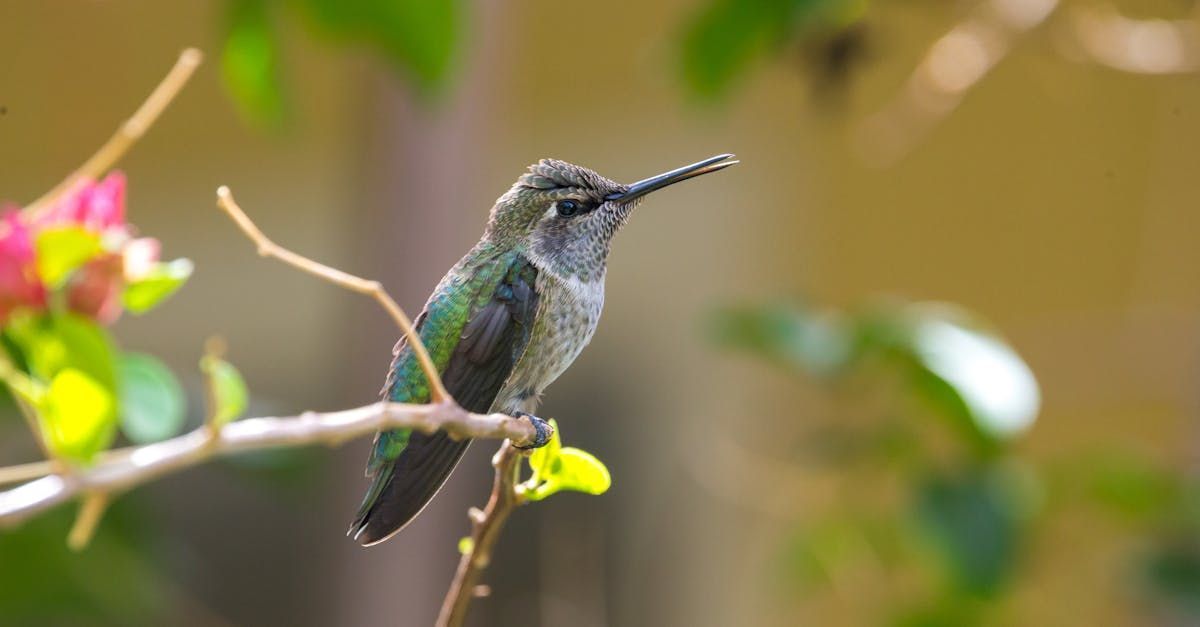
{"x":582,"y":472}
{"x":227,"y":390}
{"x":78,"y":415}
{"x":61,"y":250}
{"x":556,"y":468}
{"x":163,"y":280}
{"x":48,"y":344}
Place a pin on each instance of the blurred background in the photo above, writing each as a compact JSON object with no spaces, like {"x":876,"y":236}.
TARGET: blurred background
{"x":926,"y":357}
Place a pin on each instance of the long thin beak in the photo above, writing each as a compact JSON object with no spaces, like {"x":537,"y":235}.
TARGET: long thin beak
{"x":645,"y":186}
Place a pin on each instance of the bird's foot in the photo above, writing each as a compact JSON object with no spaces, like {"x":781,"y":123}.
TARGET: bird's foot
{"x":541,"y":427}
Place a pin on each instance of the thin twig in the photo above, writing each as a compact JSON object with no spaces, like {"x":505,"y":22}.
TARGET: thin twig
{"x":268,"y":248}
{"x":128,"y":468}
{"x":25,"y":472}
{"x":485,"y":530}
{"x":13,"y":377}
{"x":91,"y":510}
{"x":127,"y":134}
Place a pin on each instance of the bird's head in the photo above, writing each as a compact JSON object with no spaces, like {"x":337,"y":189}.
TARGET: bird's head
{"x":565,"y":215}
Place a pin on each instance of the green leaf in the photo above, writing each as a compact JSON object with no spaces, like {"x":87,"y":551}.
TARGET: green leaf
{"x":162,"y":281}
{"x":50,"y":343}
{"x":152,"y":401}
{"x":727,"y":37}
{"x":818,"y":343}
{"x":557,"y":468}
{"x":1135,"y":488}
{"x":250,"y":63}
{"x":419,"y":36}
{"x":78,"y":415}
{"x":578,"y":471}
{"x":466,"y":544}
{"x":724,"y":40}
{"x":984,"y":374}
{"x":1171,"y":573}
{"x":60,"y":250}
{"x":72,"y":383}
{"x":227,"y":390}
{"x":975,"y":521}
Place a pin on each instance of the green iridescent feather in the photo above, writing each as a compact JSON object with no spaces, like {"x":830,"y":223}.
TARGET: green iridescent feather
{"x":468,"y":288}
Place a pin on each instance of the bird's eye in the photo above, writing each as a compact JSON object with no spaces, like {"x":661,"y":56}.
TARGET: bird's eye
{"x":567,"y":207}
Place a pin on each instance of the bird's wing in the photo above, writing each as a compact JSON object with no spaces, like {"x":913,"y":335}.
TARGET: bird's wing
{"x":475,"y":329}
{"x":475,"y":355}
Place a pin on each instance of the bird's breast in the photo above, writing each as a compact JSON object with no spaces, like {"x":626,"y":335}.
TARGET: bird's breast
{"x":567,"y":315}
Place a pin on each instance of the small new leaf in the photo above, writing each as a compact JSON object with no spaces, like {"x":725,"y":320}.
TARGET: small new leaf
{"x":582,"y":472}
{"x":164,"y":279}
{"x":227,"y":392}
{"x":557,"y":468}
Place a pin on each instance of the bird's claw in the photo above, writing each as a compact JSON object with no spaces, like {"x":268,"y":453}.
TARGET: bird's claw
{"x":540,"y":427}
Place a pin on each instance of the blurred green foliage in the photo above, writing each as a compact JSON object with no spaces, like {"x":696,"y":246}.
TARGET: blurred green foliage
{"x":967,"y":503}
{"x":105,"y":585}
{"x":946,"y":354}
{"x":726,"y":38}
{"x":250,"y":62}
{"x":420,"y":38}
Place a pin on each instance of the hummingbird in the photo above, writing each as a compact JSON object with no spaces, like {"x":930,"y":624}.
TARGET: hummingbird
{"x":504,"y":323}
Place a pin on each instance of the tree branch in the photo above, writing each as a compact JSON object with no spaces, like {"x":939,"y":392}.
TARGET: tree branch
{"x":127,"y":468}
{"x":1139,"y":46}
{"x":485,"y":531}
{"x":267,"y":248}
{"x":127,"y":134}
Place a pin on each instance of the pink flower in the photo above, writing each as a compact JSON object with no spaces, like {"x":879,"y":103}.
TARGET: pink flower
{"x":94,"y":206}
{"x":19,"y":283}
{"x":95,"y":289}
{"x":94,"y":286}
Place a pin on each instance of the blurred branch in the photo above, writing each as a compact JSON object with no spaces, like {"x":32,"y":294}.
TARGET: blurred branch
{"x":485,"y":530}
{"x":374,"y":289}
{"x":25,"y":472}
{"x":128,"y":133}
{"x":127,"y":468}
{"x":960,"y":59}
{"x":954,"y":63}
{"x":1139,"y":46}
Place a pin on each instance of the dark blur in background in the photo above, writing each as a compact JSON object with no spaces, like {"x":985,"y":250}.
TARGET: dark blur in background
{"x":1032,"y":162}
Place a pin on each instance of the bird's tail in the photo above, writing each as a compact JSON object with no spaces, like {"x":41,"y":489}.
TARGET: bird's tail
{"x":401,"y":489}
